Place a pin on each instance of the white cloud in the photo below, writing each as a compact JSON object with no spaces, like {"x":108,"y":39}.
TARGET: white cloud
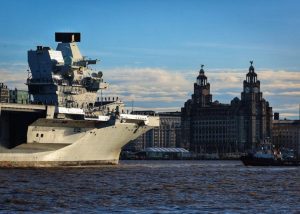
{"x":159,"y":88}
{"x":288,"y":115}
{"x":13,"y":79}
{"x":288,"y":107}
{"x":290,"y":93}
{"x":147,"y":84}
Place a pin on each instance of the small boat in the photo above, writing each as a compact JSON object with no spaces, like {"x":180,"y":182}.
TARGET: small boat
{"x":268,"y":155}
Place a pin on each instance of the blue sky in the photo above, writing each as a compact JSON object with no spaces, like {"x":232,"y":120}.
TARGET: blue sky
{"x":166,"y":42}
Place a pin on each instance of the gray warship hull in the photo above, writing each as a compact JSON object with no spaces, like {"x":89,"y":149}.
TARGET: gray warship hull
{"x":53,"y":142}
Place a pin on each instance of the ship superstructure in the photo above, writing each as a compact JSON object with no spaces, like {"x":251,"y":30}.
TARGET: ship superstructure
{"x":64,"y":125}
{"x":62,"y":77}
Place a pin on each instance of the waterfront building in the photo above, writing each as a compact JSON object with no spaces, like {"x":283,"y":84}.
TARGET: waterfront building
{"x":212,"y":127}
{"x":166,"y":135}
{"x":154,"y":153}
{"x":4,"y":93}
{"x":18,"y":96}
{"x":286,"y":135}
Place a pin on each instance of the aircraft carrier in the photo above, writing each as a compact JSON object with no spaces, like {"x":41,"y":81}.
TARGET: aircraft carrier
{"x":66,"y":124}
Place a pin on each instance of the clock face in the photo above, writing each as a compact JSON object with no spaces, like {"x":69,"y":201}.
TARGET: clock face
{"x":247,"y":89}
{"x":255,"y":89}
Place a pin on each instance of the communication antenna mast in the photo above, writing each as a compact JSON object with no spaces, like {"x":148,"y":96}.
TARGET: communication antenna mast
{"x":101,"y":99}
{"x":132,"y":106}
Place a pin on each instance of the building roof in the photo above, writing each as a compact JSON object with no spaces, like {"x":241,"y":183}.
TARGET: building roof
{"x":157,"y":149}
{"x":172,"y":114}
{"x":286,"y":122}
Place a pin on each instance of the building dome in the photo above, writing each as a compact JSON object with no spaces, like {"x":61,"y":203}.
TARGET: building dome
{"x":251,"y":68}
{"x":201,"y":79}
{"x":201,"y":70}
{"x":201,"y":73}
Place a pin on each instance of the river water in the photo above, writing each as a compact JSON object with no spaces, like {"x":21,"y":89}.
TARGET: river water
{"x":152,"y":187}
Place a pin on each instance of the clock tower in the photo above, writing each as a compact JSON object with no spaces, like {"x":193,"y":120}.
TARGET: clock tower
{"x":251,"y":89}
{"x":256,"y":110}
{"x":202,"y":94}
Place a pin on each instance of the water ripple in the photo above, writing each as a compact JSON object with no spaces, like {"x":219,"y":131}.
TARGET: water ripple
{"x":152,"y":187}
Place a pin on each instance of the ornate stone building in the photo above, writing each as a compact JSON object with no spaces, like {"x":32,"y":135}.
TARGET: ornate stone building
{"x":286,"y":135}
{"x":213,"y":127}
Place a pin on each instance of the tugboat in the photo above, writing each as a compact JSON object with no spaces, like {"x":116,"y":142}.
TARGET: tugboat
{"x":65,"y":125}
{"x":268,"y":155}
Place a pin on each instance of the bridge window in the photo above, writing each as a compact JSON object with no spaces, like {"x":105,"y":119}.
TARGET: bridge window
{"x":42,"y":135}
{"x":37,"y":135}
